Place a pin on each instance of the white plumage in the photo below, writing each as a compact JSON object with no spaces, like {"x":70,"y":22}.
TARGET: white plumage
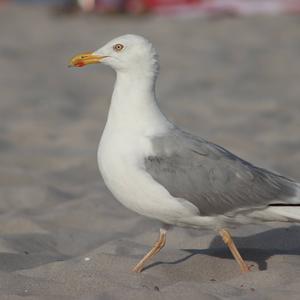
{"x":155,"y":169}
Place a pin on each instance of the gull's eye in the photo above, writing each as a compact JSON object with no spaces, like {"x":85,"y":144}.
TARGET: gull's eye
{"x":118,"y":47}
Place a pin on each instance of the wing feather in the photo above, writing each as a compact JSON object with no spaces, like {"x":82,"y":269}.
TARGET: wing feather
{"x":212,"y":178}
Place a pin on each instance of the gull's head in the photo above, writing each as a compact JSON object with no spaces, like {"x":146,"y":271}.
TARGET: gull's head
{"x":123,"y":54}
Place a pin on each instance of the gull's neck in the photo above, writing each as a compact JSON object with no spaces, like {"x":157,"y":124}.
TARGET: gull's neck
{"x":134,"y":108}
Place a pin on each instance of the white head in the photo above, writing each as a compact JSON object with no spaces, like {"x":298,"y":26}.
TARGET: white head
{"x":124,"y":54}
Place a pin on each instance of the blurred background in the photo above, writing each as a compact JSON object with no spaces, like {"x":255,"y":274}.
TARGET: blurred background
{"x":229,"y":72}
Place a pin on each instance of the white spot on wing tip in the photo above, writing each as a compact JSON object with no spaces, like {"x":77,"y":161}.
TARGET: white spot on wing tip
{"x":296,"y":199}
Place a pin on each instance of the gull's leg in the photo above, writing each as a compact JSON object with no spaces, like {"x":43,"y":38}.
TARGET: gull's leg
{"x":229,"y":242}
{"x":155,"y":249}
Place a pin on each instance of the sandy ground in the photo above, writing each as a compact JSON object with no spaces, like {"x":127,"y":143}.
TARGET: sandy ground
{"x":62,"y":234}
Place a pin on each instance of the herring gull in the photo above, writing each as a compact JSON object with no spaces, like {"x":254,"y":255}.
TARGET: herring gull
{"x":162,"y":172}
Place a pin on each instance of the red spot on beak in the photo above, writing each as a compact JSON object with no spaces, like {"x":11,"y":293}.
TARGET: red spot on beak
{"x":79,"y":64}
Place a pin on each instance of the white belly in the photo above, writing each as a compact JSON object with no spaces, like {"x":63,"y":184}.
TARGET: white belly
{"x":121,"y":162}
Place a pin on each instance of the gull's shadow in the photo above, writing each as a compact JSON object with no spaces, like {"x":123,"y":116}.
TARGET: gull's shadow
{"x":256,"y":248}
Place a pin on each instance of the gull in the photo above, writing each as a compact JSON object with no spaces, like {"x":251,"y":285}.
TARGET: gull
{"x":162,"y":172}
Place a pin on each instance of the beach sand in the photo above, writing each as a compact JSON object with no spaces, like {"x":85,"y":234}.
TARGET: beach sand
{"x":62,"y":234}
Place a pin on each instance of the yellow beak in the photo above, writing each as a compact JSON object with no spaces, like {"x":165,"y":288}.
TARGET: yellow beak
{"x":83,"y":59}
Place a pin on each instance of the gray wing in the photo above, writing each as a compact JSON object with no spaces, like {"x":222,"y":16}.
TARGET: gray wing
{"x":212,"y":178}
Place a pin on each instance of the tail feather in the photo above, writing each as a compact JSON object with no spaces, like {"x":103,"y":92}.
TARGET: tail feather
{"x":289,"y":211}
{"x":285,"y":213}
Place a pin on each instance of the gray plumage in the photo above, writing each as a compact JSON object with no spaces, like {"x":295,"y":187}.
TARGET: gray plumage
{"x":212,"y":178}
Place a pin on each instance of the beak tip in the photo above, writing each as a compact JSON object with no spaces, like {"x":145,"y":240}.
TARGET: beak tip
{"x":84,"y":59}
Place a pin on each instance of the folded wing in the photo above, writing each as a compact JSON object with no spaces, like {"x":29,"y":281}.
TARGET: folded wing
{"x":212,"y":178}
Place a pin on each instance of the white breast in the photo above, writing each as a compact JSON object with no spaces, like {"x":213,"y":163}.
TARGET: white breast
{"x":121,"y":162}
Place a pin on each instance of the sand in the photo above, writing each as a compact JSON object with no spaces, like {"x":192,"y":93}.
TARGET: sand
{"x":62,"y":234}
